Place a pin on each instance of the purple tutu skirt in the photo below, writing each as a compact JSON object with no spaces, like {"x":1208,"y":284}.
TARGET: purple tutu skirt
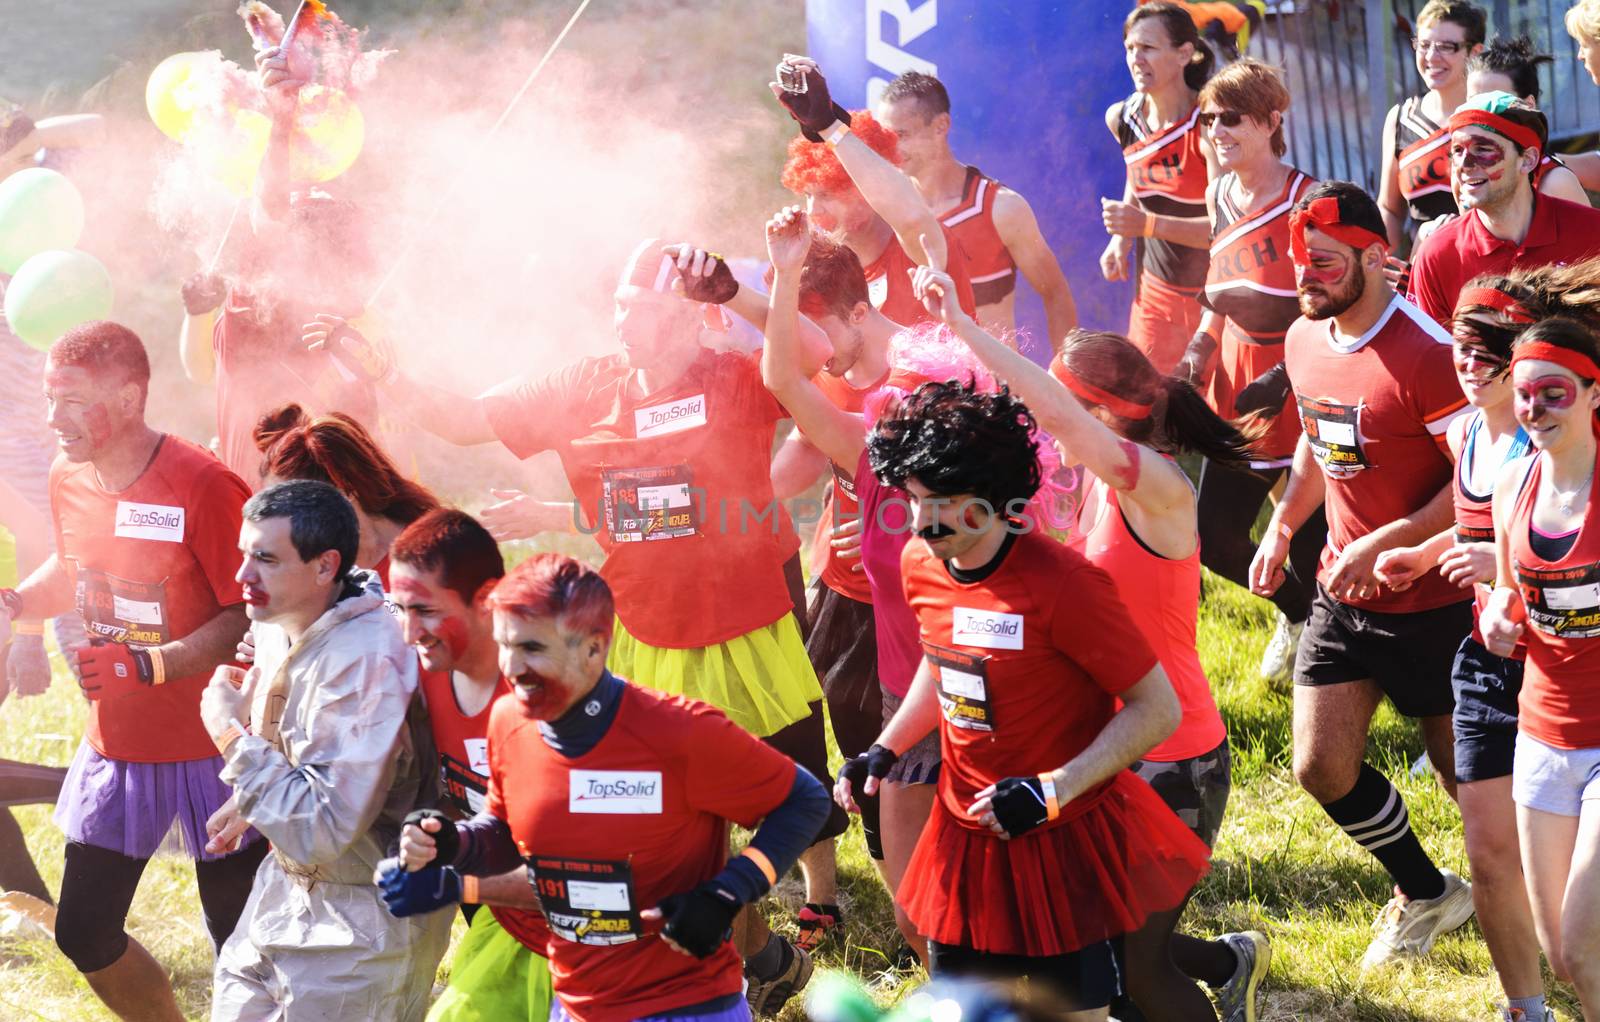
{"x":131,"y":807}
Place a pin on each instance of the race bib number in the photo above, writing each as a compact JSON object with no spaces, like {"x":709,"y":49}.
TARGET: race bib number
{"x":1563,"y":602}
{"x":464,"y":784}
{"x":647,"y":504}
{"x":672,"y":417}
{"x":1334,"y":431}
{"x":118,"y":610}
{"x":845,"y":484}
{"x":587,"y":901}
{"x":963,"y":683}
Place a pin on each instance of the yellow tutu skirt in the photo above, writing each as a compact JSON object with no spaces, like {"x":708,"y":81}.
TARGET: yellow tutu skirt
{"x":762,"y":679}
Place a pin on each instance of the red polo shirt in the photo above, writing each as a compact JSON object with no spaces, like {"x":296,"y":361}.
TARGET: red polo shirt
{"x":1561,"y":232}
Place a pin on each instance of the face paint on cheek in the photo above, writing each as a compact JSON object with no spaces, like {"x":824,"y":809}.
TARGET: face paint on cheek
{"x":452,"y":631}
{"x":98,"y":421}
{"x":1313,"y":274}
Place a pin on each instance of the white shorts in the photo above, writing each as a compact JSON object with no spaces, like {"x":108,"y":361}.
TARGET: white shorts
{"x":1554,"y":780}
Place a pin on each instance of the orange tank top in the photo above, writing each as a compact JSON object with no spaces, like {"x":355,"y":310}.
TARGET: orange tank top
{"x":1163,"y":598}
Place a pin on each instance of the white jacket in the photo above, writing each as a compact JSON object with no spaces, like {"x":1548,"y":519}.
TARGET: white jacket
{"x":315,"y":940}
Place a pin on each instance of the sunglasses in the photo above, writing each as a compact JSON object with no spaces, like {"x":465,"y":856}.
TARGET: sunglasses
{"x":1229,"y":119}
{"x":1443,"y":49}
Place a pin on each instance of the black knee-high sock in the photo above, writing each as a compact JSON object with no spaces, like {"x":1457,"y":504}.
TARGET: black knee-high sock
{"x":1374,"y":814}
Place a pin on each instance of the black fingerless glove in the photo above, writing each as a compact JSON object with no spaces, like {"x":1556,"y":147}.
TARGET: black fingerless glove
{"x":814,"y":108}
{"x":718,"y":288}
{"x":1020,"y":805}
{"x":447,"y":841}
{"x":700,"y":920}
{"x":1265,"y":393}
{"x":875,"y":762}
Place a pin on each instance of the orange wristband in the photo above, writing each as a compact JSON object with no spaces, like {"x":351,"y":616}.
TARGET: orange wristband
{"x":763,"y":863}
{"x":30,"y":628}
{"x":1149,"y":225}
{"x":1052,"y":805}
{"x":469,"y":890}
{"x":234,"y":732}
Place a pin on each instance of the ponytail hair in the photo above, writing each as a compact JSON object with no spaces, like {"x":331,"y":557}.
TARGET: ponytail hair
{"x":1180,"y":29}
{"x":1179,"y":419}
{"x":338,"y":450}
{"x":1572,"y":290}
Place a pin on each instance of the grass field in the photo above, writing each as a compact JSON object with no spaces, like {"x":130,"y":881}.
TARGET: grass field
{"x":1280,"y":867}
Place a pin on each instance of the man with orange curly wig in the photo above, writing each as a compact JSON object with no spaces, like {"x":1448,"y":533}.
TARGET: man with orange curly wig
{"x":846,"y":168}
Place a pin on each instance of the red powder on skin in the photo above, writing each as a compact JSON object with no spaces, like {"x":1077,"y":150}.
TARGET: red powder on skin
{"x":1126,"y":477}
{"x":452,"y":631}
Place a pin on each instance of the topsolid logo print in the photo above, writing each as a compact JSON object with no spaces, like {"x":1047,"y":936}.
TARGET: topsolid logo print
{"x":989,"y":629}
{"x":149,"y":521}
{"x":614,"y":792}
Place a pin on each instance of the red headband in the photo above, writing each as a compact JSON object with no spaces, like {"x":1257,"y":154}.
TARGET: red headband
{"x":1323,"y":214}
{"x":1574,"y":361}
{"x":1492,"y":298}
{"x":1523,"y":136}
{"x":1118,"y":406}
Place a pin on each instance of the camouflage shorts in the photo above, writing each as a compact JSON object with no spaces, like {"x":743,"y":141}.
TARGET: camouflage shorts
{"x":1196,"y":789}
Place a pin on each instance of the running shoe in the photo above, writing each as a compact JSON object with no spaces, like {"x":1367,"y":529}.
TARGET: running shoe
{"x":814,"y":921}
{"x":1518,"y":1015}
{"x":767,"y":996}
{"x":1236,"y":1000}
{"x":1277,"y":663}
{"x":1410,"y":927}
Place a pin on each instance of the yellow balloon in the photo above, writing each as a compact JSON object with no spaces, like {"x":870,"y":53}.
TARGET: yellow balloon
{"x":233,"y":159}
{"x":329,"y":132}
{"x":170,"y":104}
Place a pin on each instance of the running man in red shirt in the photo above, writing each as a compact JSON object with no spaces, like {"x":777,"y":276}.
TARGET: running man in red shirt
{"x":1376,"y":391}
{"x":146,"y":529}
{"x":1496,"y":142}
{"x":618,"y":798}
{"x":994,"y":224}
{"x":1027,"y":650}
{"x":1547,"y":540}
{"x":1159,"y":230}
{"x":668,"y":447}
{"x":443,"y":567}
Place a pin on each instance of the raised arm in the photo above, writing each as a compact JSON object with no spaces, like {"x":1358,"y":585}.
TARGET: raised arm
{"x":1140,"y":474}
{"x":834,"y":432}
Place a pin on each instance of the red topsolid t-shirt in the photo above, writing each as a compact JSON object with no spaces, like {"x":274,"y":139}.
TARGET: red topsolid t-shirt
{"x":678,"y":483}
{"x":150,"y":564}
{"x":641,"y":816}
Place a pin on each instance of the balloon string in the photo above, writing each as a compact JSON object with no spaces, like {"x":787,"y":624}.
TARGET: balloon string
{"x":468,"y":165}
{"x":227,"y":232}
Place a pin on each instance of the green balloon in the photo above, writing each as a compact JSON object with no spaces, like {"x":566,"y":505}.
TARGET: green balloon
{"x":39,"y":210}
{"x":54,"y":292}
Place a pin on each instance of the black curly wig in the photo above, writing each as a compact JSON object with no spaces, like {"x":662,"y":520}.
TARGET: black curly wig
{"x":954,"y":439}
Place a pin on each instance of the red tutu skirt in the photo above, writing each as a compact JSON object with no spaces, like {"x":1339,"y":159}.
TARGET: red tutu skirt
{"x":1053,"y":891}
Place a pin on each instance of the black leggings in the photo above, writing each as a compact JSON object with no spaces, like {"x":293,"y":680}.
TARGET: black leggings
{"x":1229,"y":501}
{"x":97,"y":887}
{"x":23,"y":784}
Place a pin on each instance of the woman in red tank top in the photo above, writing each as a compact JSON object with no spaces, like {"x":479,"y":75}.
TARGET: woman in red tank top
{"x":1547,"y":593}
{"x":1110,"y":409}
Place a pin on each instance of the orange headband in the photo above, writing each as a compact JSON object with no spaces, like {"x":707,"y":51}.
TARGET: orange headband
{"x":1323,"y":214}
{"x":1118,"y":406}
